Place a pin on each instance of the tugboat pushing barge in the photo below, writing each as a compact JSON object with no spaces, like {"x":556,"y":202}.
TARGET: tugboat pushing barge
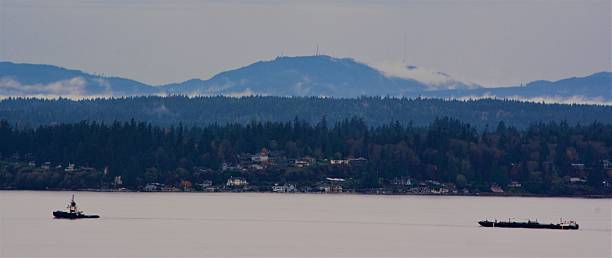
{"x":73,"y":212}
{"x":565,"y":225}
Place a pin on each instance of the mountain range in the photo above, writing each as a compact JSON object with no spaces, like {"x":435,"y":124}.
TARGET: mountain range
{"x":321,"y":76}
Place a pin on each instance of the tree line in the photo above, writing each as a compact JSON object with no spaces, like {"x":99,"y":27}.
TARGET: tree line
{"x":375,"y":111}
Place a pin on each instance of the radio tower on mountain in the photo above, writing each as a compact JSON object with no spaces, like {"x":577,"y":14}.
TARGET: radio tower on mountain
{"x":404,"y":50}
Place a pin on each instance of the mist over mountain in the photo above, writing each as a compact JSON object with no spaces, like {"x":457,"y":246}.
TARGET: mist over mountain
{"x":320,"y":76}
{"x":434,"y":80}
{"x":36,"y":80}
{"x":594,"y":89}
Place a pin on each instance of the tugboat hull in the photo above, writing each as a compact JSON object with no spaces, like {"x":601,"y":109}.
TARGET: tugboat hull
{"x":72,"y":215}
{"x":529,"y":224}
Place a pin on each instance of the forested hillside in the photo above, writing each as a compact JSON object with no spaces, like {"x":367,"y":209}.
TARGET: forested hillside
{"x":222,"y":110}
{"x":547,"y":158}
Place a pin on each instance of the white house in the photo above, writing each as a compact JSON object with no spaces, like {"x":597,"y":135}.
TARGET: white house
{"x":607,"y":164}
{"x":70,"y":168}
{"x":153,"y":187}
{"x":339,"y":161}
{"x":577,"y":180}
{"x":283,"y":188}
{"x":206,"y":183}
{"x":402,"y":181}
{"x":515,"y":184}
{"x":260,"y":157}
{"x":236,"y":181}
{"x":118,"y":180}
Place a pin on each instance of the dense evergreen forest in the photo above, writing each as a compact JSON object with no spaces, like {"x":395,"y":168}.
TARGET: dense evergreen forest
{"x":374,"y":111}
{"x":545,"y":158}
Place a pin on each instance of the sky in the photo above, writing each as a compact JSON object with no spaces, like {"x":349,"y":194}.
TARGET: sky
{"x":489,"y":42}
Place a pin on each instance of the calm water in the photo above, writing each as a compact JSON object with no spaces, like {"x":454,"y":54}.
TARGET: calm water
{"x":232,"y":224}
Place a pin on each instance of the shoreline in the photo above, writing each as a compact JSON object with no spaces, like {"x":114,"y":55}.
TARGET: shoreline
{"x":526,"y":195}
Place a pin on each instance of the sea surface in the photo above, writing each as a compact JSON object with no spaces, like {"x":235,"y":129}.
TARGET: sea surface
{"x":296,"y":225}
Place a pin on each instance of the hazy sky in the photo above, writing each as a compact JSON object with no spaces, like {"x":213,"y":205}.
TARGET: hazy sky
{"x":485,"y":41}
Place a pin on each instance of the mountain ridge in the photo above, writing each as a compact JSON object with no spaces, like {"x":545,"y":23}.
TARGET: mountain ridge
{"x":320,"y":76}
{"x":303,"y":76}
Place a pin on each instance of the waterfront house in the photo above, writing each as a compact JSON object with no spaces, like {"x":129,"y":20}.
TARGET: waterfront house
{"x":118,"y":181}
{"x":283,"y":188}
{"x":496,"y":189}
{"x":441,"y":190}
{"x":420,"y":190}
{"x":153,"y":187}
{"x":170,"y":189}
{"x":205,"y":184}
{"x":150,"y":188}
{"x":433,"y":183}
{"x":335,"y":189}
{"x":186,"y":185}
{"x":236,"y":181}
{"x":402,"y":181}
{"x":515,"y":184}
{"x":330,"y":188}
{"x":211,"y":189}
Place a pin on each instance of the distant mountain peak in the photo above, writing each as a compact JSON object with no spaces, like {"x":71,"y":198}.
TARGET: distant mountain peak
{"x":318,"y":75}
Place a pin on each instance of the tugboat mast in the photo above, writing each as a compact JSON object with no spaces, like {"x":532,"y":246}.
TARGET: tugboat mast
{"x":72,"y":206}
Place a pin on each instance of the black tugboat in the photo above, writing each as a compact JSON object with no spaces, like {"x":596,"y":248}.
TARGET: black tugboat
{"x":529,"y":224}
{"x":73,"y":212}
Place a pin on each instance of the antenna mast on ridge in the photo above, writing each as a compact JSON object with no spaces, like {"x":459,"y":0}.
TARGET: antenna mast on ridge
{"x":404,"y":49}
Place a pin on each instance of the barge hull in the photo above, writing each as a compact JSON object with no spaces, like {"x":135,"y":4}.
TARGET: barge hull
{"x":502,"y":224}
{"x":72,"y":215}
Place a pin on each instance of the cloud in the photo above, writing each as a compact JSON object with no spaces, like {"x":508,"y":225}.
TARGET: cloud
{"x":162,"y":110}
{"x":544,"y":99}
{"x":435,"y":80}
{"x":216,"y":88}
{"x":104,"y":83}
{"x":301,"y":87}
{"x":74,"y":88}
{"x":247,"y":92}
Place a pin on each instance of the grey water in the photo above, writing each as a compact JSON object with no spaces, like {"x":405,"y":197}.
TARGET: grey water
{"x":296,"y":225}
